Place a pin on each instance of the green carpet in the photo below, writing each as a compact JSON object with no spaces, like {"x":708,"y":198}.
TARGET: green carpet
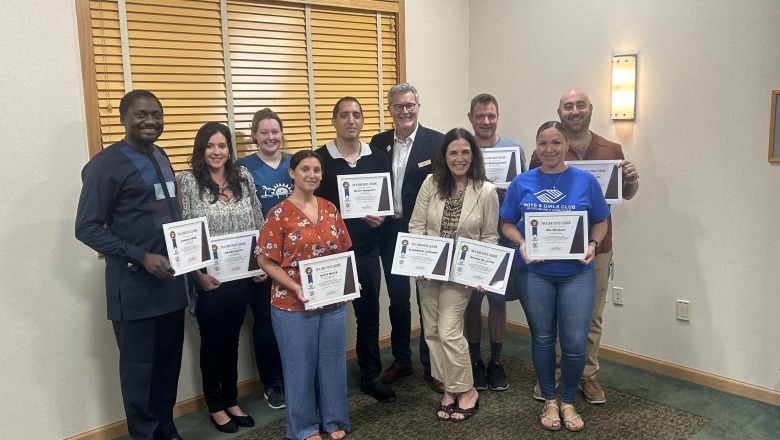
{"x":508,"y":414}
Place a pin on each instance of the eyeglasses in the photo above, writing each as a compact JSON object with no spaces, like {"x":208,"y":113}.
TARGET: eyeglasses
{"x":408,"y":106}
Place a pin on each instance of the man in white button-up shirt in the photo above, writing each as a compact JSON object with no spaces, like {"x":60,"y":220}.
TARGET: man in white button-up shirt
{"x":410,"y":149}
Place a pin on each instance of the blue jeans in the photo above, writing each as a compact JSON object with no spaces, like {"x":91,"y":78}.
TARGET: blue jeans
{"x":558,"y":306}
{"x":314,"y":359}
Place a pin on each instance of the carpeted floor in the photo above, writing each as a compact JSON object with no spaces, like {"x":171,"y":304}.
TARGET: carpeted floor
{"x":508,"y":414}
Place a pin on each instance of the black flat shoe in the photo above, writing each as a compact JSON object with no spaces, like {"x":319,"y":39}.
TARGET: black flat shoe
{"x":229,"y":427}
{"x":243,"y":421}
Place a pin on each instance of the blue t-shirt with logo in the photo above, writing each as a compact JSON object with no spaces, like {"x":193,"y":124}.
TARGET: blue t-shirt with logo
{"x":273,"y":185}
{"x":574,"y":190}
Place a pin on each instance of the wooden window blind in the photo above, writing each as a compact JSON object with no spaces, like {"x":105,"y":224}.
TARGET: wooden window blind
{"x":212,"y":60}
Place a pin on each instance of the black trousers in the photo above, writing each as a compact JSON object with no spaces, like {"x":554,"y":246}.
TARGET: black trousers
{"x":367,"y":315}
{"x":269,"y":363}
{"x":149,"y":364}
{"x":400,"y":306}
{"x":220,"y":314}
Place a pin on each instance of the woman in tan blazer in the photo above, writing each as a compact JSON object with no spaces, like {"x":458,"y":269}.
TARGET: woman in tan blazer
{"x":455,"y":201}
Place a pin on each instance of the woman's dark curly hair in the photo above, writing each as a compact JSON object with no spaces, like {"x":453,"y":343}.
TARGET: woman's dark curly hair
{"x":201,"y":172}
{"x":442,"y":176}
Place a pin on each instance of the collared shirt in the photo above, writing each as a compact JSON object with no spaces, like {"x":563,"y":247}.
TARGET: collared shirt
{"x":401,"y":150}
{"x":365,"y":150}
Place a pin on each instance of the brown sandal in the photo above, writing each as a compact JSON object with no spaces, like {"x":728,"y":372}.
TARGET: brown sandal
{"x":466,"y":412}
{"x":446,"y":409}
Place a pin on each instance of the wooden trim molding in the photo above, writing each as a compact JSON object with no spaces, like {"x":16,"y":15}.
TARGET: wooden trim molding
{"x":691,"y":375}
{"x":400,"y":26}
{"x":373,"y":5}
{"x":84,"y":23}
{"x":195,"y":404}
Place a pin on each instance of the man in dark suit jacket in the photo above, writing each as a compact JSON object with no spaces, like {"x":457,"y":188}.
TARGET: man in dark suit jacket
{"x":410,"y":149}
{"x":128,"y":193}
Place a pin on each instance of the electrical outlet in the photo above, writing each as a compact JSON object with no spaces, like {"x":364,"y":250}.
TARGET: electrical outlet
{"x":683,"y":310}
{"x":617,"y":296}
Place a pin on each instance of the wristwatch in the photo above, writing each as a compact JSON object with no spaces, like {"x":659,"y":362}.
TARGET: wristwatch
{"x":592,"y":240}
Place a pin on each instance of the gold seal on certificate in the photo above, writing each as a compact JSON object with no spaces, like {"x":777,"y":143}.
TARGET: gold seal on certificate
{"x":188,"y":244}
{"x":365,"y":194}
{"x":608,"y":174}
{"x":502,"y":164}
{"x":330,"y":279}
{"x":556,"y":235}
{"x":424,"y":255}
{"x":234,"y":256}
{"x":482,"y":264}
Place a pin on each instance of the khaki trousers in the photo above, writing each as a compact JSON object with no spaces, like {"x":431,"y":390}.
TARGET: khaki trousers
{"x":442,"y":305}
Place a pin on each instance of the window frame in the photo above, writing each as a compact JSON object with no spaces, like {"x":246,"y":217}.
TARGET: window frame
{"x":90,"y":80}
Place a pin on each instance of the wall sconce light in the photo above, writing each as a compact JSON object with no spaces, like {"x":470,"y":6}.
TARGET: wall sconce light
{"x":623,"y":87}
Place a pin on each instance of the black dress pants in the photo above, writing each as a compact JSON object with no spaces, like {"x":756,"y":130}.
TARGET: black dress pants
{"x":149,"y":365}
{"x":269,"y":363}
{"x":220,"y":314}
{"x":367,"y":315}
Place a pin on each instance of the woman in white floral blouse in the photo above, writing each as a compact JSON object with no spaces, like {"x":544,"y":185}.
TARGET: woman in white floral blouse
{"x":223,"y":192}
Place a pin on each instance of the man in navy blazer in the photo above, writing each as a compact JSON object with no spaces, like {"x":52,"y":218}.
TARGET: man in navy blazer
{"x":410,"y":149}
{"x":128,"y":193}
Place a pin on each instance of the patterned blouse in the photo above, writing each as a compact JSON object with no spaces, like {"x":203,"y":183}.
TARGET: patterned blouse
{"x":289,"y":236}
{"x":224,"y":217}
{"x":451,"y":215}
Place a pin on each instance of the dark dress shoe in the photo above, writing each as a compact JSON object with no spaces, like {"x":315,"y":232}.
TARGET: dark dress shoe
{"x":243,"y":421}
{"x":378,"y":390}
{"x":229,"y":427}
{"x":436,"y":384}
{"x":395,"y":372}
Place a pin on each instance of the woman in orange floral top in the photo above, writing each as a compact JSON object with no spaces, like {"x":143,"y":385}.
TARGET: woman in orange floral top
{"x":312,"y":343}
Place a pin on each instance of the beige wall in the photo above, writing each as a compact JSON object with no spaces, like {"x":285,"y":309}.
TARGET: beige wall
{"x":702,"y":227}
{"x":59,"y":356}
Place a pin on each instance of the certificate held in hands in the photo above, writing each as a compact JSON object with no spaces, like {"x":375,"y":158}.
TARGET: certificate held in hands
{"x":556,"y":235}
{"x":424,"y":255}
{"x":482,"y":264}
{"x":234,"y":256}
{"x":502,"y":164}
{"x":329,"y":280}
{"x":188,"y":244}
{"x":608,"y":174}
{"x":364,"y":194}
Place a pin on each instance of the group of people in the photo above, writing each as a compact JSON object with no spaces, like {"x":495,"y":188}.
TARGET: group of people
{"x":439,"y":188}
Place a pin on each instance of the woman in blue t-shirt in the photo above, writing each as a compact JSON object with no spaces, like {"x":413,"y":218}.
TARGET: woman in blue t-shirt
{"x":269,"y":167}
{"x":557,"y":295}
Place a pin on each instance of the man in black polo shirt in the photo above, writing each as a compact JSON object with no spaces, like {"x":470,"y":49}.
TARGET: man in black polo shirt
{"x":348,"y":155}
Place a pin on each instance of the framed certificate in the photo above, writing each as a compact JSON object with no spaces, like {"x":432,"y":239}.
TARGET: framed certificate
{"x":556,"y":235}
{"x":188,"y":244}
{"x":502,"y":164}
{"x":234,"y":256}
{"x":365,"y":194}
{"x":608,"y":174}
{"x":482,"y":264}
{"x":422,"y":255}
{"x":330,"y":279}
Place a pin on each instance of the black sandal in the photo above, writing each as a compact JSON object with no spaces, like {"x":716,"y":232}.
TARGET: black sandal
{"x":446,"y":409}
{"x":467,"y":412}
